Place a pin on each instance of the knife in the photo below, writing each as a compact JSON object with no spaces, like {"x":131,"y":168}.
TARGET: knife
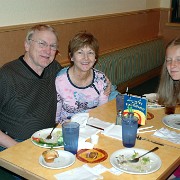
{"x":95,"y":127}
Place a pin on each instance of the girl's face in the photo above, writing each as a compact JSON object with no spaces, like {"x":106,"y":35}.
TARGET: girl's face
{"x":173,"y":61}
{"x":84,"y":58}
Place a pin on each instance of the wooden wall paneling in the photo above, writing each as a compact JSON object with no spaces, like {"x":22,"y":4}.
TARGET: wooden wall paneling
{"x":113,"y":31}
{"x":168,"y":30}
{"x":11,"y":45}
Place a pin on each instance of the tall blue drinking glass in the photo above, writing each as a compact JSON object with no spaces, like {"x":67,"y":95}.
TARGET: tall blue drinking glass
{"x":70,"y":132}
{"x":129,"y":130}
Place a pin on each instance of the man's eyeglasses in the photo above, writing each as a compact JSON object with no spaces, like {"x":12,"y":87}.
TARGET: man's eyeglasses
{"x":43,"y":44}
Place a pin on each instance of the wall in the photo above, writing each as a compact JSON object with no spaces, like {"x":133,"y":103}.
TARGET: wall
{"x":168,"y":30}
{"x":121,"y":22}
{"x":152,"y":4}
{"x":15,"y":12}
{"x":112,"y":31}
{"x":165,"y":3}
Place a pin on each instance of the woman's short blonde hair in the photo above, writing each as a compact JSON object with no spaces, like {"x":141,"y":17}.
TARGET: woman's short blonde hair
{"x":83,"y":39}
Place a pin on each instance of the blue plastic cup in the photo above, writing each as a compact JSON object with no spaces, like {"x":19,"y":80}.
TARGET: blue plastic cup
{"x":70,"y":132}
{"x":129,"y":130}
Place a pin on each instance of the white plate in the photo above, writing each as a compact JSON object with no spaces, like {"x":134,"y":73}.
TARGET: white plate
{"x":172,"y":121}
{"x":136,"y":168}
{"x":64,"y":160}
{"x":56,"y":135}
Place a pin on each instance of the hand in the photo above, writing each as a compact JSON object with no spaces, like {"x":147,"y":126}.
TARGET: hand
{"x":108,"y":89}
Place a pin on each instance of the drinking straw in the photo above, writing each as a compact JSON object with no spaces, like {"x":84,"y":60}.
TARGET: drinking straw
{"x":127,"y":90}
{"x":130,"y":108}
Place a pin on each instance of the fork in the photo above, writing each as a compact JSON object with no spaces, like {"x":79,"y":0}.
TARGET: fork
{"x":50,"y":135}
{"x":141,"y":138}
{"x":135,"y":160}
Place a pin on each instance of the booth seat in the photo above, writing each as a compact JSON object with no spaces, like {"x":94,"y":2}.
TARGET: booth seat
{"x":133,"y":65}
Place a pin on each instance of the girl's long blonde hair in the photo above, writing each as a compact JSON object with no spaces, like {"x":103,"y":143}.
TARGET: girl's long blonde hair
{"x":169,"y":89}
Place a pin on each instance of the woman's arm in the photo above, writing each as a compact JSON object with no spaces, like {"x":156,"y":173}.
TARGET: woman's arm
{"x":108,"y":89}
{"x":104,"y":86}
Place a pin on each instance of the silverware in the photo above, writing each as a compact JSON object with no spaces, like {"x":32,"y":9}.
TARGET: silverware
{"x":135,"y":160}
{"x":95,"y":127}
{"x":141,"y":130}
{"x":50,"y":136}
{"x":141,"y":138}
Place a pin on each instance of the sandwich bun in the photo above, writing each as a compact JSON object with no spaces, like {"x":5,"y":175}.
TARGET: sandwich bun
{"x":50,"y":155}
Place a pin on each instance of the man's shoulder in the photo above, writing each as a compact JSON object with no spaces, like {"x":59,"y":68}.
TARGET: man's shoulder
{"x":11,"y":65}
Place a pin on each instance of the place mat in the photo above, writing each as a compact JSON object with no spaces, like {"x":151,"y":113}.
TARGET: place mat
{"x":94,"y":155}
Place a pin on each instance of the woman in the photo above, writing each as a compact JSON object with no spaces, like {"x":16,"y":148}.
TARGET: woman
{"x":80,"y":87}
{"x":169,"y":87}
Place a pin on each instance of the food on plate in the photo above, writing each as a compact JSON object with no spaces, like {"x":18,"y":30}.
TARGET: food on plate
{"x":56,"y":140}
{"x":92,"y":155}
{"x":143,"y":165}
{"x":50,"y":155}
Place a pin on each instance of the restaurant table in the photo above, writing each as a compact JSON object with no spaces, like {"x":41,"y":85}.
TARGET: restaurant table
{"x":23,"y":158}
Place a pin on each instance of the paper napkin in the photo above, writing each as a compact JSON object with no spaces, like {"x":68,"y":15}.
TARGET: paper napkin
{"x":114,"y":131}
{"x":85,"y":145}
{"x":87,"y":132}
{"x":168,"y":135}
{"x":80,"y":173}
{"x":80,"y":118}
{"x":98,"y":123}
{"x":84,"y":134}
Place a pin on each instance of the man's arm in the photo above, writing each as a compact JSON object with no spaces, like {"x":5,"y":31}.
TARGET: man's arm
{"x":6,"y":141}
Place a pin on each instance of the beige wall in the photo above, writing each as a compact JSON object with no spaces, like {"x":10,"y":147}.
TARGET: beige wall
{"x":152,"y":4}
{"x":15,"y":12}
{"x":165,"y":3}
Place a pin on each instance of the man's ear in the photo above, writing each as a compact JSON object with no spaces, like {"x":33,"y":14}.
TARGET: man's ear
{"x":26,"y":45}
